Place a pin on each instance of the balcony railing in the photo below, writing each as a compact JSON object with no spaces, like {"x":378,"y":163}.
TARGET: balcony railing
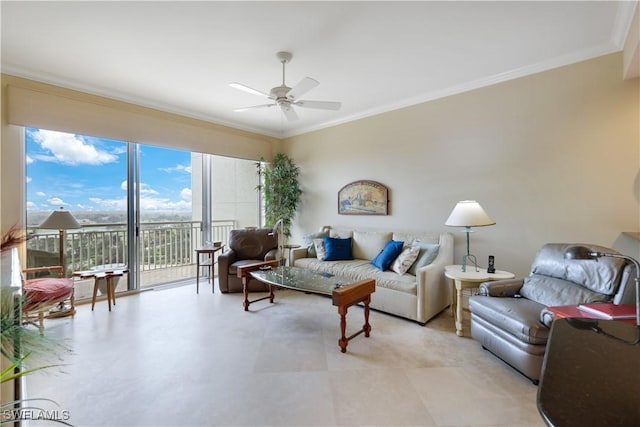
{"x":163,"y":245}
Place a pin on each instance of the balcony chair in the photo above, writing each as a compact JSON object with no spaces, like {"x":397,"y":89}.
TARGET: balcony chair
{"x":509,"y":317}
{"x":245,"y":247}
{"x":50,"y":296}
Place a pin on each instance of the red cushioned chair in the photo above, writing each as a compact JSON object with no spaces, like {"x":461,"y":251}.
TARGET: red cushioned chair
{"x":47,"y":296}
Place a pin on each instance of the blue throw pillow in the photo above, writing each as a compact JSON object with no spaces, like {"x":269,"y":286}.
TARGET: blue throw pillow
{"x":386,"y":256}
{"x":337,"y":249}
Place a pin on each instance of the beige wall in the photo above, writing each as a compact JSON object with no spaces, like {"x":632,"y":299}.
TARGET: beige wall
{"x":553,"y":157}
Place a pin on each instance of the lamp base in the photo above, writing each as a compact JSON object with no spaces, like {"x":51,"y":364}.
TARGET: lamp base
{"x":470,"y":259}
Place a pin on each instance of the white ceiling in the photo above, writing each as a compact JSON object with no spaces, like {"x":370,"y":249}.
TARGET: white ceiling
{"x":371,"y":56}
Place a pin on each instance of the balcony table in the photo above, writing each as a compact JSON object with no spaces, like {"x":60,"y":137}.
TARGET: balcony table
{"x":107,"y":276}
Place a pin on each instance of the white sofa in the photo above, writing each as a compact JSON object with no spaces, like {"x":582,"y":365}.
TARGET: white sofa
{"x":418,"y":297}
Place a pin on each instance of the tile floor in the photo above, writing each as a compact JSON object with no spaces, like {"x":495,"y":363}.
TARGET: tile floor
{"x":169,"y":357}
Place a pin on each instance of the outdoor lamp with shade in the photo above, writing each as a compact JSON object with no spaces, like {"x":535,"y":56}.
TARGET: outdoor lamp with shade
{"x":583,"y":252}
{"x":60,"y":220}
{"x":467,"y":214}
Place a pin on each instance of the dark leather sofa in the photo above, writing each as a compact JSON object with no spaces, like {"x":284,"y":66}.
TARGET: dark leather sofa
{"x":245,"y":247}
{"x":509,"y":317}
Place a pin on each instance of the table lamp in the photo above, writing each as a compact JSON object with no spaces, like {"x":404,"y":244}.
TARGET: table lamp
{"x":583,"y":252}
{"x":60,"y":220}
{"x":467,"y":214}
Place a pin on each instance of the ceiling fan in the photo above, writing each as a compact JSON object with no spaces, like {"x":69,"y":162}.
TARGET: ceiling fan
{"x":286,"y":97}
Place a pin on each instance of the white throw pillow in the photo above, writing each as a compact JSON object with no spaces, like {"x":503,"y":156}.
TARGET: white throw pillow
{"x":320,"y":251}
{"x":406,"y":258}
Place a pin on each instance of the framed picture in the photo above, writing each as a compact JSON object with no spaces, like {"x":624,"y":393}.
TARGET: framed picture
{"x":363,"y":198}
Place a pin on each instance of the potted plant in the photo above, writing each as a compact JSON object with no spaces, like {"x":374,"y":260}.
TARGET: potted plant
{"x":281,"y":190}
{"x":23,"y":349}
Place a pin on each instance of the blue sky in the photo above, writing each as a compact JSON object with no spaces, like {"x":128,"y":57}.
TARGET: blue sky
{"x":82,"y":173}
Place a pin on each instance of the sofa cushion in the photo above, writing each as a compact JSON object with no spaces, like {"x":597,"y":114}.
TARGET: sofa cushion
{"x":340,"y":233}
{"x":309,"y":241}
{"x":518,"y":316}
{"x":359,"y":269}
{"x":387,"y":255}
{"x":337,"y":249}
{"x":368,"y":244}
{"x":428,"y":252}
{"x":45,"y":290}
{"x":552,"y":291}
{"x":405,"y":260}
{"x":320,"y":251}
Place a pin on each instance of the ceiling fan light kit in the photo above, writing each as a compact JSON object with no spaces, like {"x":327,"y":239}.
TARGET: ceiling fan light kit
{"x":286,"y":97}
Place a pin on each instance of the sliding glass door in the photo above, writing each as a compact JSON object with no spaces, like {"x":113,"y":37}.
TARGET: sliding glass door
{"x":86,"y":177}
{"x":140,"y":206}
{"x":167,"y":233}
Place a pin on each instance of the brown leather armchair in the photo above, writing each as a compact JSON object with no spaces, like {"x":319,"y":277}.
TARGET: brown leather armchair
{"x":245,"y":247}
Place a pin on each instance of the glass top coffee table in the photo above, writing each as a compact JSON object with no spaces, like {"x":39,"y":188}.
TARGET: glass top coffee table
{"x":344,"y":292}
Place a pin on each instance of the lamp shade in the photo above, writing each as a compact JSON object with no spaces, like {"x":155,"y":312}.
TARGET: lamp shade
{"x":60,"y":220}
{"x":468,"y":213}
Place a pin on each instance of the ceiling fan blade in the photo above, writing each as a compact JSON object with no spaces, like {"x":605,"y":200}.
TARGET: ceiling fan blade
{"x":289,"y":112}
{"x":238,"y":110}
{"x":248,"y":89}
{"x":322,"y":105}
{"x":301,"y":88}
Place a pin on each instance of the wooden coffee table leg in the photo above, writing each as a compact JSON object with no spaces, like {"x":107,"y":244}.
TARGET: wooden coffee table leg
{"x":343,"y":341}
{"x":245,"y":290}
{"x":347,"y":296}
{"x":367,"y":327}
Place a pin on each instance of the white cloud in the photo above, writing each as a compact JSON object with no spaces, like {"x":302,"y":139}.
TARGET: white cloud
{"x":31,"y":206}
{"x":29,"y":160}
{"x":56,"y":201}
{"x":146,"y":204}
{"x":110,"y":204}
{"x":29,"y":179}
{"x":70,"y":149}
{"x":178,"y":168}
{"x":144,"y":188}
{"x":160,"y":204}
{"x":185,"y":194}
{"x":40,"y":194}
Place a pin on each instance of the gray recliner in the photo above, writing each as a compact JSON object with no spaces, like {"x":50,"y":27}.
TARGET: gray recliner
{"x":509,"y":317}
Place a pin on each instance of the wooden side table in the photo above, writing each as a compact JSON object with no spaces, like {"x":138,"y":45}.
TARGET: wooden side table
{"x":469,"y":279}
{"x":209,"y":263}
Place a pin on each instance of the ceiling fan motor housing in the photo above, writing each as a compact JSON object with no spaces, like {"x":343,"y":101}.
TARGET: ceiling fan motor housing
{"x":284,"y":56}
{"x":280,"y":92}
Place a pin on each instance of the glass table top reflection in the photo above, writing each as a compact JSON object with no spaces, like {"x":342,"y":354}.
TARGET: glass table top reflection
{"x":301,"y":279}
